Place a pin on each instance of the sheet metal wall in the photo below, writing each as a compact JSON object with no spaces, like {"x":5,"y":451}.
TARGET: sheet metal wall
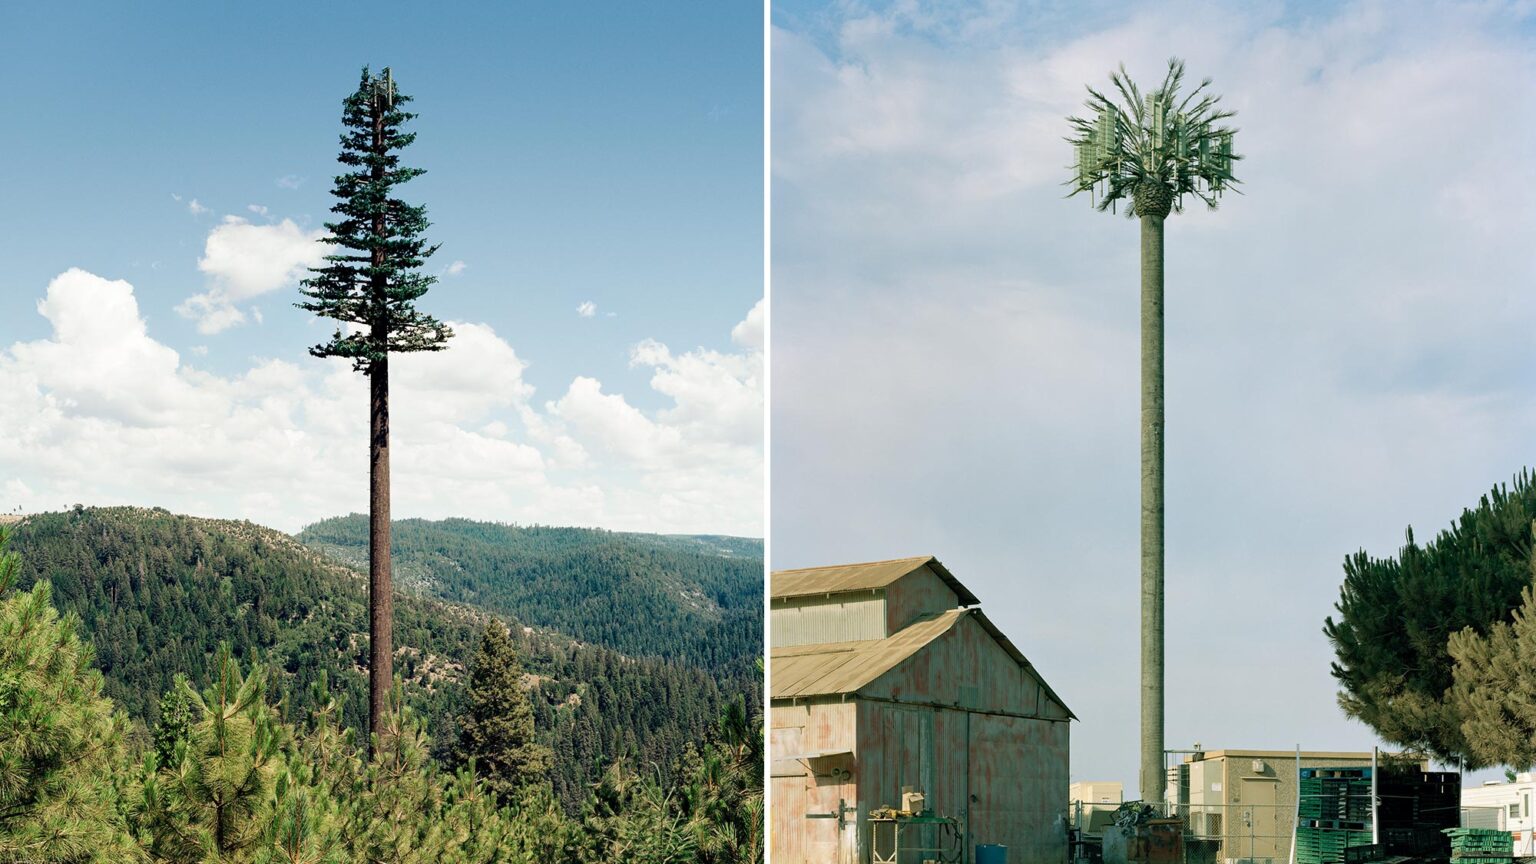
{"x":1223,"y":784}
{"x":920,"y":592}
{"x":945,"y":721}
{"x":1015,"y":768}
{"x":967,"y":667}
{"x":840,"y":618}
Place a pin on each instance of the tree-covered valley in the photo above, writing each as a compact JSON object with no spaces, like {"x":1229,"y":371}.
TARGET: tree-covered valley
{"x":700,"y":598}
{"x":157,"y":595}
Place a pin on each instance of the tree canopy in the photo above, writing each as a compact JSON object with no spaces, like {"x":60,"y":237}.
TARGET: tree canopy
{"x":157,"y":593}
{"x":1396,"y":616}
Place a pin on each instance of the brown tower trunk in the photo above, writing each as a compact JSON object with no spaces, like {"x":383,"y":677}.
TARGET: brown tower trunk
{"x":380,"y":607}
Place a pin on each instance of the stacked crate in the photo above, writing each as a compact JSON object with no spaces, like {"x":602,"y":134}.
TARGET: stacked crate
{"x":1481,"y":846}
{"x":1335,"y":811}
{"x":1327,"y":846}
{"x":1414,"y":809}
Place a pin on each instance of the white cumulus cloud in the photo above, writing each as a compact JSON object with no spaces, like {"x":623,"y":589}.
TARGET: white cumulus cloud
{"x":243,"y":261}
{"x":587,"y":309}
{"x":101,"y":412}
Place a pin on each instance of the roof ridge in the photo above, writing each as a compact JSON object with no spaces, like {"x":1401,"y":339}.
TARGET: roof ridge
{"x":856,"y":564}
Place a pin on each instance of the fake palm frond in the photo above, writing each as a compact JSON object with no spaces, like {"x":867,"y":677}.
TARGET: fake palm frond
{"x":1151,"y":141}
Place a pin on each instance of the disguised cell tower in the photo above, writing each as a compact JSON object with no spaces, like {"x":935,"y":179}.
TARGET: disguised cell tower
{"x":1152,"y":151}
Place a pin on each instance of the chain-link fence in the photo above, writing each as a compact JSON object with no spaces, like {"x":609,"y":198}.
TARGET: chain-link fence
{"x":1252,"y":833}
{"x":1236,"y":833}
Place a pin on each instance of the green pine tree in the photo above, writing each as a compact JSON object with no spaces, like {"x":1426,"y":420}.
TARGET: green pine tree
{"x":496,"y":730}
{"x":371,"y":282}
{"x":1392,"y":634}
{"x":177,"y":715}
{"x":61,"y":741}
{"x":214,"y":801}
{"x":725,"y":791}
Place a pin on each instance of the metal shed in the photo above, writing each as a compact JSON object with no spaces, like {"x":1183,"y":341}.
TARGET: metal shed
{"x":886,"y":679}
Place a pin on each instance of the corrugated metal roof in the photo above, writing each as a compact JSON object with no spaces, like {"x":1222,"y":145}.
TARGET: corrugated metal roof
{"x":860,"y":577}
{"x":835,"y":668}
{"x":843,"y":667}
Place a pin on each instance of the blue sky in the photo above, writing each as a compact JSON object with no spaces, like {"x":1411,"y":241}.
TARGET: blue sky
{"x":955,"y":354}
{"x":608,"y":154}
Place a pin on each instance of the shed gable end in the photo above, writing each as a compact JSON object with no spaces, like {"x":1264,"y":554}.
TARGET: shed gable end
{"x":969,"y":668}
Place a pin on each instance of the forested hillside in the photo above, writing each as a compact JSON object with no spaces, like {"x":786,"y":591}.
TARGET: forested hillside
{"x":157,"y":593}
{"x":694,"y":599}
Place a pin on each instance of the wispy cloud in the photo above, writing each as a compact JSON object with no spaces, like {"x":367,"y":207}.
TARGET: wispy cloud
{"x":587,"y":309}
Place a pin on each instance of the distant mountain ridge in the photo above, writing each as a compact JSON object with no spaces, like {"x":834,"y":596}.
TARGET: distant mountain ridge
{"x":156,"y":592}
{"x":695,"y":598}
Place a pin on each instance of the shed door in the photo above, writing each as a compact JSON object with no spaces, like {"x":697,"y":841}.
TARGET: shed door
{"x":997,"y":772}
{"x":799,"y":798}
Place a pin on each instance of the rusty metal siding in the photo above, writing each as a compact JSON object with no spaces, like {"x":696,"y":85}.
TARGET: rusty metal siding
{"x":945,"y":704}
{"x":967,"y":667}
{"x":801,"y":787}
{"x":840,"y":618}
{"x":909,"y":746}
{"x":914,"y":595}
{"x":1004,"y":777}
{"x":1018,"y":780}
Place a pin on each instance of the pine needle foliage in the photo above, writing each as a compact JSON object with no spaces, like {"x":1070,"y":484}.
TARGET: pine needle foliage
{"x":213,"y":799}
{"x":1493,"y":691}
{"x":373,"y":277}
{"x":1152,"y":149}
{"x":722,"y":792}
{"x":61,"y":741}
{"x":177,"y":714}
{"x":1392,"y":635}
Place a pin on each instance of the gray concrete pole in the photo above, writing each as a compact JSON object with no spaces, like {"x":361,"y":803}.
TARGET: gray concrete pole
{"x":1152,"y":771}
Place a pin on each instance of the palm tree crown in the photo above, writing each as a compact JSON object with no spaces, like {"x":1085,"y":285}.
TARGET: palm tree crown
{"x":1154,"y":150}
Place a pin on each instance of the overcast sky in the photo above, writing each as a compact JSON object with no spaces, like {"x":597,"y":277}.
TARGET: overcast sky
{"x":955,"y":353}
{"x":595,"y":183}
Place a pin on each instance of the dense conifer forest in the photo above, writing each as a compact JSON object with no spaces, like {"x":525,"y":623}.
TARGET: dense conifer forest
{"x":157,"y":593}
{"x":233,"y":773}
{"x":700,"y":598}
